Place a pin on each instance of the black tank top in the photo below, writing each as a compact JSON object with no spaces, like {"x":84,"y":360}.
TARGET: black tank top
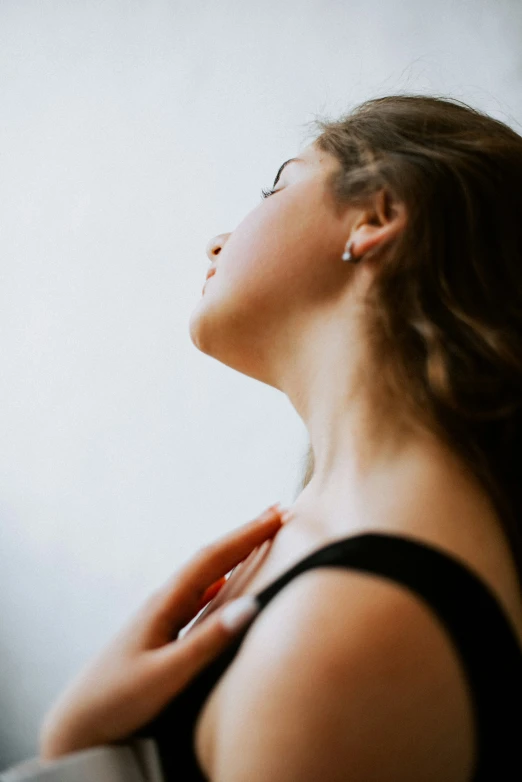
{"x":481,"y":633}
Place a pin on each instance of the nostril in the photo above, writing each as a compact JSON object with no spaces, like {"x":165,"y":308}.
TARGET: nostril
{"x":215,"y":246}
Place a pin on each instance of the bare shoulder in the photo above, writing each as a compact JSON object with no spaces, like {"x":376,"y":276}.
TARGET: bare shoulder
{"x":344,"y":675}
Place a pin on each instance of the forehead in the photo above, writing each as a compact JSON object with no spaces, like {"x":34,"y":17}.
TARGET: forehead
{"x":310,"y":162}
{"x":313,"y":156}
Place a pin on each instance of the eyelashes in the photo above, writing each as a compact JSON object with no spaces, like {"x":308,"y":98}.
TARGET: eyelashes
{"x":266,"y":193}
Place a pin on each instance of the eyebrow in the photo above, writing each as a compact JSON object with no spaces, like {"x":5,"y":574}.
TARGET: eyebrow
{"x":292,"y":160}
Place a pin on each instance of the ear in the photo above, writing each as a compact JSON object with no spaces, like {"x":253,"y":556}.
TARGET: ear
{"x":378,"y":224}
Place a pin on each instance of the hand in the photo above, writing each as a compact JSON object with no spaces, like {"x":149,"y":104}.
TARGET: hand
{"x":146,"y":664}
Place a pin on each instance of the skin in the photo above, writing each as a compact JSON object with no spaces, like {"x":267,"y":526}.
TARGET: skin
{"x":147,"y":664}
{"x":284,"y":309}
{"x":381,"y":694}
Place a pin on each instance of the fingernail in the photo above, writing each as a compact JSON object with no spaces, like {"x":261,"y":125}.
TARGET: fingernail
{"x":238,"y":612}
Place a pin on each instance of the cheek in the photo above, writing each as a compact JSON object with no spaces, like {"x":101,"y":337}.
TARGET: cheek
{"x":273,"y":264}
{"x":273,"y":246}
{"x":257,"y":248}
{"x":245,"y":300}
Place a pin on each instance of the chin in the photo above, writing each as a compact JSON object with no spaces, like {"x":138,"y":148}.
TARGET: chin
{"x":223,"y":334}
{"x":208,"y":325}
{"x":199,"y":327}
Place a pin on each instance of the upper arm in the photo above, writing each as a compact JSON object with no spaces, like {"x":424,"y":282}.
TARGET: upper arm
{"x":343,"y":676}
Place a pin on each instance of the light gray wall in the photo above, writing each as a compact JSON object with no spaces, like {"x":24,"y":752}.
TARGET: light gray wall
{"x":130,"y":134}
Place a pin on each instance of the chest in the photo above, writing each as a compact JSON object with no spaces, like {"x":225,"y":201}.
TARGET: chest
{"x":274,"y":557}
{"x":258,"y":570}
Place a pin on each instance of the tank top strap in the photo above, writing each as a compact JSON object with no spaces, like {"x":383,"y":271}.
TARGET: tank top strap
{"x":479,"y":629}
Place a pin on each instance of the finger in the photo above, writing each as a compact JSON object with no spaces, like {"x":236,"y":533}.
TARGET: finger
{"x":219,"y":557}
{"x":179,"y":597}
{"x":208,"y":595}
{"x":177,"y":663}
{"x":211,"y":592}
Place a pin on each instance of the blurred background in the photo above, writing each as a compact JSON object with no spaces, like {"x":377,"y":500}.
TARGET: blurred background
{"x":131,"y":132}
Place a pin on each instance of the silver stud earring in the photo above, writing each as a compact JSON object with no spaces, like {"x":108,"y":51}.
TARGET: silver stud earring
{"x":347,"y":255}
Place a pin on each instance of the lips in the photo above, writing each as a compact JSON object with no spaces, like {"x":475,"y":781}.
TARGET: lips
{"x":210,"y":274}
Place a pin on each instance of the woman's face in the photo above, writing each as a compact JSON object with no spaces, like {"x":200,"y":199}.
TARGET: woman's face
{"x":280,"y":265}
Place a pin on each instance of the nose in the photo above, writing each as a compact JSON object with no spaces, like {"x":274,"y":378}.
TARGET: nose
{"x":215,"y":246}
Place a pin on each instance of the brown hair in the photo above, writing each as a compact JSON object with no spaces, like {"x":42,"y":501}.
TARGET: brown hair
{"x":445,"y":310}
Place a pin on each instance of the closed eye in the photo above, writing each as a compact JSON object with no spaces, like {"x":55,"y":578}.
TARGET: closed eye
{"x":266,"y":193}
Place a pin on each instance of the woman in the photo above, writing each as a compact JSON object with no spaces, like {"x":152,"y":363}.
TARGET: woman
{"x":378,"y":287}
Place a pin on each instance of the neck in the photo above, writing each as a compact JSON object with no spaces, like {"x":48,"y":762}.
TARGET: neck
{"x":364,"y":444}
